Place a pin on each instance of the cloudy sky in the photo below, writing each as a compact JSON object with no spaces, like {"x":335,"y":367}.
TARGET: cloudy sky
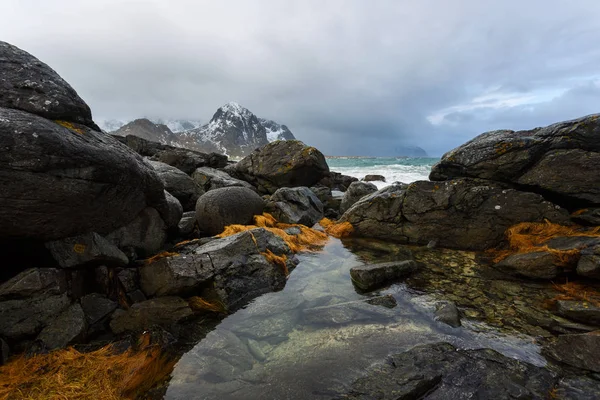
{"x":350,"y":77}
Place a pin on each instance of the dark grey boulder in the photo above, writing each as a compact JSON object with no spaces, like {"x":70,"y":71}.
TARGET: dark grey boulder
{"x":440,"y":371}
{"x":337,"y":181}
{"x":232,"y":269}
{"x":221,"y":207}
{"x":578,"y":388}
{"x":355,"y":192}
{"x":374,"y":178}
{"x":463,"y":213}
{"x":578,"y":350}
{"x":558,"y":160}
{"x":97,"y":307}
{"x":129,"y":279}
{"x":163,"y":311}
{"x":28,"y":84}
{"x":188,"y":160}
{"x":187,"y":223}
{"x":589,"y":266}
{"x":89,"y":249}
{"x":297,"y":205}
{"x":448,"y":313}
{"x":373,"y":276}
{"x":179,"y":184}
{"x":26,"y":317}
{"x":67,"y":328}
{"x":34,"y":282}
{"x":60,"y":182}
{"x":145,"y":234}
{"x":536,"y":265}
{"x":173,"y":211}
{"x":288,"y":163}
{"x":587,"y":216}
{"x":581,"y":311}
{"x":209,"y":178}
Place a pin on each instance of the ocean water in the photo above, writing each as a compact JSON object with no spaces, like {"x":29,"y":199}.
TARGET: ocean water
{"x":402,"y":169}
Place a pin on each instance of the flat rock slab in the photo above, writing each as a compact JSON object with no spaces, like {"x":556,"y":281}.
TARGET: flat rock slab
{"x":373,"y":276}
{"x":581,"y":311}
{"x":536,"y":265}
{"x":579,"y":350}
{"x":86,"y":249}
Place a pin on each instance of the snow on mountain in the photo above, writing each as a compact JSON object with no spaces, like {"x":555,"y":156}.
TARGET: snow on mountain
{"x":177,"y":125}
{"x":276,"y":131}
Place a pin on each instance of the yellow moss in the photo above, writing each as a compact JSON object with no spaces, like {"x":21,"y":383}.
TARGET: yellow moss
{"x":70,"y":126}
{"x":101,"y":374}
{"x":199,"y":304}
{"x":502,"y":148}
{"x":160,"y":255}
{"x":337,"y":229}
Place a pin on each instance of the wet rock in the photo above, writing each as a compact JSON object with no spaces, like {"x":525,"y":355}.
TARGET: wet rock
{"x":269,"y":328}
{"x":279,"y":164}
{"x":581,"y":311}
{"x":145,"y":234}
{"x":297,"y":205}
{"x":171,"y":212}
{"x":441,"y":371}
{"x":89,"y":249}
{"x":162,"y":311}
{"x":589,"y":266}
{"x":179,"y":184}
{"x":373,"y":276}
{"x":226,"y":206}
{"x":463,"y":213}
{"x":587,"y":216}
{"x":129,"y":279}
{"x":34,"y":282}
{"x":187,"y":223}
{"x":558,"y":160}
{"x":69,"y":327}
{"x":30,"y":85}
{"x":374,"y":178}
{"x":209,"y":179}
{"x":96,"y":307}
{"x":448,"y":313}
{"x":578,"y":350}
{"x":337,"y":181}
{"x":578,"y":388}
{"x":27,"y":317}
{"x":387,"y":301}
{"x":323,"y":193}
{"x":188,"y":160}
{"x":255,"y":350}
{"x":65,"y":181}
{"x":346,"y":313}
{"x":4,"y":352}
{"x":355,"y":192}
{"x":536,"y":265}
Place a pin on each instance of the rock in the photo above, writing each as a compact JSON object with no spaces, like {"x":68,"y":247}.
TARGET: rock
{"x":188,"y":160}
{"x":578,"y":350}
{"x":145,"y":234}
{"x":387,"y":301}
{"x":536,"y":265}
{"x":589,"y":266}
{"x":558,"y":160}
{"x":232,"y":269}
{"x":279,"y":164}
{"x":337,"y":181}
{"x":578,"y":388}
{"x":440,"y":371}
{"x":162,"y":311}
{"x":187,"y":223}
{"x":462,"y":214}
{"x":374,"y":178}
{"x":179,"y":184}
{"x":172,"y":213}
{"x":323,"y":193}
{"x":96,"y":307}
{"x":209,"y":178}
{"x":356,"y":191}
{"x":89,"y":249}
{"x":587,"y":216}
{"x":372,"y":276}
{"x":581,"y":311}
{"x":65,"y":181}
{"x":4,"y":352}
{"x":353,"y":312}
{"x":221,"y":207}
{"x":69,"y":327}
{"x":23,"y":318}
{"x":448,"y":313}
{"x":129,"y":279}
{"x":298,"y":205}
{"x":28,"y":84}
{"x":34,"y":282}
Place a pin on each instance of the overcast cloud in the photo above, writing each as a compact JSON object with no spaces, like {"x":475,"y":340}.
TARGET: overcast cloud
{"x":350,"y":77}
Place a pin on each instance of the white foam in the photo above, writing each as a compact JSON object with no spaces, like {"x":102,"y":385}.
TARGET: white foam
{"x":392,"y":173}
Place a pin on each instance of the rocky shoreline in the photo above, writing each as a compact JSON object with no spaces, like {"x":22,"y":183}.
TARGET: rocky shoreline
{"x":109,"y":237}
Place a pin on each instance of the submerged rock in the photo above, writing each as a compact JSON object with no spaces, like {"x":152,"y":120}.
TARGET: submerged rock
{"x":297,"y":205}
{"x":226,"y":206}
{"x":373,"y":276}
{"x":355,"y":192}
{"x":162,"y":311}
{"x":90,"y":249}
{"x":448,"y":313}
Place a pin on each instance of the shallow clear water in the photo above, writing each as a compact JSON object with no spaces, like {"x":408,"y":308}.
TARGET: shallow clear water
{"x":313,"y":338}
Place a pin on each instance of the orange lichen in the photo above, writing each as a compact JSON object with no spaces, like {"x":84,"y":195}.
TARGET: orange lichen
{"x":199,"y":304}
{"x":70,"y":126}
{"x":156,"y":257}
{"x":337,"y":229}
{"x":70,"y":374}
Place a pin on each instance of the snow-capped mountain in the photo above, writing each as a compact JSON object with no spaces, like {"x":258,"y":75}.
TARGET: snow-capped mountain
{"x":276,"y":131}
{"x":148,"y":130}
{"x":177,"y":125}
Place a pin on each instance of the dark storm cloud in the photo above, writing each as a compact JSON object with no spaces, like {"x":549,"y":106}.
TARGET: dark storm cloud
{"x":350,"y":77}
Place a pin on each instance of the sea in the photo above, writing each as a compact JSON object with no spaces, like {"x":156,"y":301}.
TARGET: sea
{"x":394,"y":169}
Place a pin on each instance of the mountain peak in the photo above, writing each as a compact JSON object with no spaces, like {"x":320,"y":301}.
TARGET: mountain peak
{"x":232,"y":110}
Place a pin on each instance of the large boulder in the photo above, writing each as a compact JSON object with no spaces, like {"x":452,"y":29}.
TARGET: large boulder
{"x":179,"y":184}
{"x":559,"y":160}
{"x":463,"y":213}
{"x":226,"y":206}
{"x":297,"y":205}
{"x":171,"y":212}
{"x":279,"y":164}
{"x":144,"y":236}
{"x":209,"y":178}
{"x":233,"y":269}
{"x":62,"y":181}
{"x":28,"y":84}
{"x":356,"y":191}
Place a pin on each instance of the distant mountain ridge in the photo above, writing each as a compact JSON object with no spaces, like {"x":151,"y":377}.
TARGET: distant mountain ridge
{"x":233,"y":130}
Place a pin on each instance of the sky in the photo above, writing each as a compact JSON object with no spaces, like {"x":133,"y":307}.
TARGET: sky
{"x":351,"y":77}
